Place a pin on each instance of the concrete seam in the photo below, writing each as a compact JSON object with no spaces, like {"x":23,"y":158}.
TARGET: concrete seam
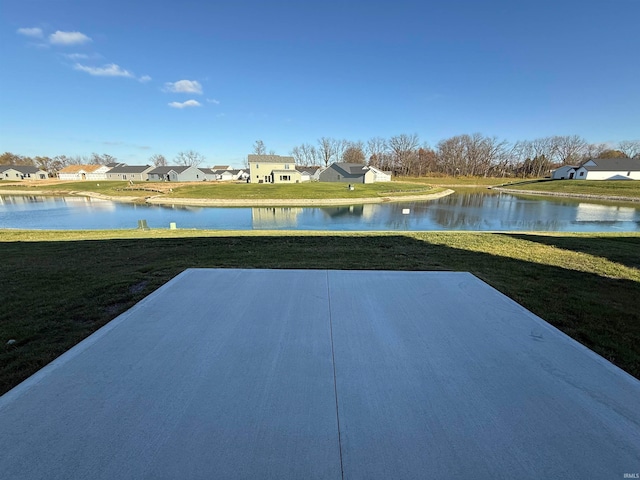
{"x":335,"y":382}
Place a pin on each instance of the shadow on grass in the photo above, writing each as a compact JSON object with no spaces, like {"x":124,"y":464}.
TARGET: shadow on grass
{"x":619,"y":249}
{"x":57,"y":293}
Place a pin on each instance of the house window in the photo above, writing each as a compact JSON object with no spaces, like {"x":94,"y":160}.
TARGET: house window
{"x":124,"y":177}
{"x":582,"y":174}
{"x":286,"y":166}
{"x":257,"y":165}
{"x":285,"y":178}
{"x":629,"y":174}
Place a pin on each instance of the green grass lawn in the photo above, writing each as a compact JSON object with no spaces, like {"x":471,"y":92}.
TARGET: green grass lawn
{"x":464,"y":181}
{"x":241,"y":191}
{"x":618,"y":188}
{"x":311,"y":190}
{"x":58,"y":287}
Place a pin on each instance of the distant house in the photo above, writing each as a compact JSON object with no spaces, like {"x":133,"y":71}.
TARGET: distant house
{"x":566,"y":172}
{"x":176,"y":174}
{"x":22,"y":172}
{"x":209,"y":174}
{"x":221,"y":167}
{"x":223,"y":175}
{"x":309,"y":174}
{"x":353,"y":173}
{"x":84,"y":172}
{"x":116,"y":164}
{"x":135,"y":173}
{"x":273,"y":169}
{"x":609,"y":169}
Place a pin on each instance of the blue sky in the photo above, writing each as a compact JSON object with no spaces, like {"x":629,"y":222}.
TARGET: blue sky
{"x":136,"y":78}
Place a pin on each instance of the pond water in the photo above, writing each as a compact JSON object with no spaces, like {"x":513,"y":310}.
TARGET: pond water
{"x":474,"y":210}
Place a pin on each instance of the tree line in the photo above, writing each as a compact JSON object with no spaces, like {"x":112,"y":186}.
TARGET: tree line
{"x":57,"y":163}
{"x":404,"y":154}
{"x":466,"y":155}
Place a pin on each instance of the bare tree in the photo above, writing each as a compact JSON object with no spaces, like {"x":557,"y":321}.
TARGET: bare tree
{"x":326,"y":150}
{"x":403,"y":149}
{"x":376,"y":150}
{"x":189,"y":158}
{"x":631,"y":148}
{"x":339,"y":146}
{"x":569,"y":149}
{"x":158,"y":160}
{"x":259,"y":148}
{"x":305,"y":154}
{"x":8,"y":158}
{"x":594,"y":150}
{"x":44,"y":163}
{"x":354,"y":153}
{"x":104,"y":159}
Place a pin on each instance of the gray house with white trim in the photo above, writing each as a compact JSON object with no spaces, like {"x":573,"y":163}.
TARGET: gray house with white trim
{"x":353,"y":173}
{"x":177,"y":174}
{"x":134,"y":173}
{"x":22,"y":172}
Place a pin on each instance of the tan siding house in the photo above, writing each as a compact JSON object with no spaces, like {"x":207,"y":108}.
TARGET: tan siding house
{"x":273,"y":169}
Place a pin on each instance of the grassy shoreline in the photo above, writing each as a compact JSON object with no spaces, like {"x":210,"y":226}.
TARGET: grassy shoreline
{"x":616,"y":190}
{"x":59,"y":287}
{"x":234,"y":194}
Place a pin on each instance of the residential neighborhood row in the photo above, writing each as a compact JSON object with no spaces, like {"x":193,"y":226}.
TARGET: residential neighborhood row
{"x":262,"y":169}
{"x":283,"y":169}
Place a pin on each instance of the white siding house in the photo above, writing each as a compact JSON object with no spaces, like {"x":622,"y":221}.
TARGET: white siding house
{"x":609,"y":169}
{"x":566,"y":172}
{"x":84,"y":172}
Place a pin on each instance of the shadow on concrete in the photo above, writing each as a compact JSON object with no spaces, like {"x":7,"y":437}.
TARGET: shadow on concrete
{"x":57,"y":293}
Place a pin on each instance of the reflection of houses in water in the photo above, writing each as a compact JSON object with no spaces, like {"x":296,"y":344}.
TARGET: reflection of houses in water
{"x":93,"y":203}
{"x":590,"y":212}
{"x":346,"y":211}
{"x":275,"y":217}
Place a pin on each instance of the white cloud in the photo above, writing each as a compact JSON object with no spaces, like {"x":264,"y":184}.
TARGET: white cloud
{"x":76,"y":56}
{"x":183,"y":86}
{"x":188,"y":103}
{"x":68,"y":38}
{"x":30,"y":32}
{"x":213,"y":100}
{"x":109,"y":70}
{"x":144,"y":79}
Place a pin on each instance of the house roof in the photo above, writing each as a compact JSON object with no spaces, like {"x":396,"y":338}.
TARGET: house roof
{"x":309,"y":170}
{"x":208,"y":171}
{"x":270,"y":159}
{"x":220,"y":167}
{"x":24,"y":169}
{"x":169,"y":168}
{"x":115,"y":164}
{"x":612,"y":165}
{"x":130,"y":169}
{"x":80,"y":168}
{"x":351,"y":168}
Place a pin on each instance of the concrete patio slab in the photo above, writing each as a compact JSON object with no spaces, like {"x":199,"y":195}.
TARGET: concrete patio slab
{"x":323,"y":374}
